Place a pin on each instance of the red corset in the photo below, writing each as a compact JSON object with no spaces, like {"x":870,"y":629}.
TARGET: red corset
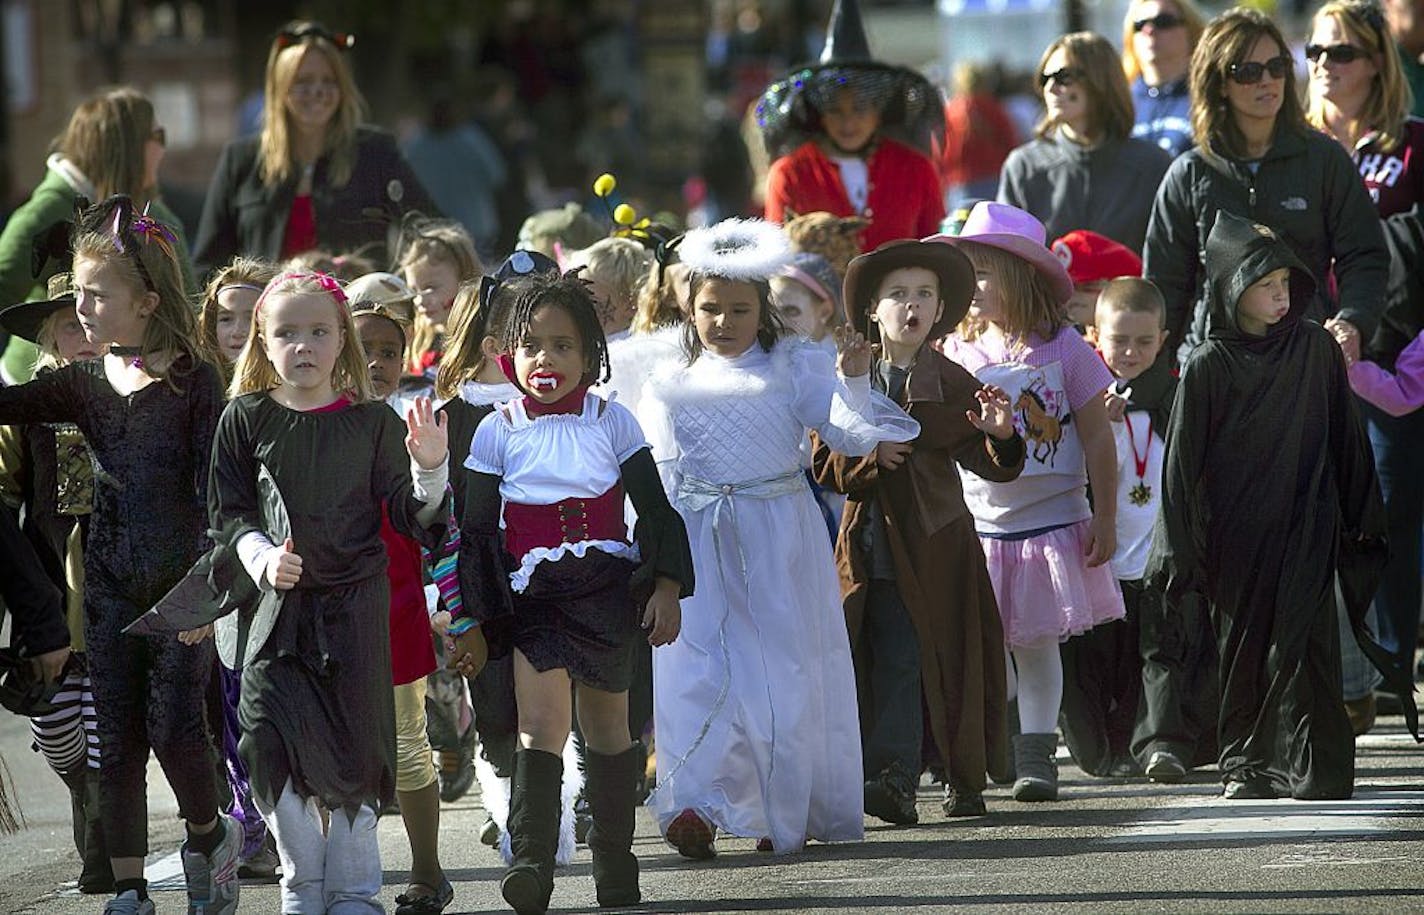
{"x":568,"y":521}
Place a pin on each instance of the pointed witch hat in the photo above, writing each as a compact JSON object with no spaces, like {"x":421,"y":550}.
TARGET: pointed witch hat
{"x":789,"y":112}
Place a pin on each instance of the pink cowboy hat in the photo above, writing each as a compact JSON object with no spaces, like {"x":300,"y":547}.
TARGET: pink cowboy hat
{"x":1010,"y":229}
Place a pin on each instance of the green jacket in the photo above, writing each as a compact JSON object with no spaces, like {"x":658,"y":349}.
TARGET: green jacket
{"x":52,"y":202}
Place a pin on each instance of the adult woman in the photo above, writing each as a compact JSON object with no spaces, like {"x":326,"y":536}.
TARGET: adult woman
{"x":1083,"y":170}
{"x":1157,"y":41}
{"x":1358,"y":95}
{"x":112,"y":145}
{"x":313,"y":177}
{"x":1256,"y":157}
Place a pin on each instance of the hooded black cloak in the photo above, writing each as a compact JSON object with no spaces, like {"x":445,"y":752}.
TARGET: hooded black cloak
{"x":1268,"y":494}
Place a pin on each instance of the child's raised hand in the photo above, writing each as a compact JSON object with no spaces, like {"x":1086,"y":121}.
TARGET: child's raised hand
{"x":852,"y":352}
{"x":663,"y":615}
{"x":284,"y":566}
{"x":996,"y":414}
{"x":889,"y":455}
{"x":427,"y":439}
{"x":469,"y":653}
{"x":1116,"y":405}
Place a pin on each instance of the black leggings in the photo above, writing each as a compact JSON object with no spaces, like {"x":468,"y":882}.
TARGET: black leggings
{"x":148,"y":692}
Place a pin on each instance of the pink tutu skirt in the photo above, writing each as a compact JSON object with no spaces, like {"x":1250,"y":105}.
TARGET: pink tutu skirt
{"x":1045,"y":589}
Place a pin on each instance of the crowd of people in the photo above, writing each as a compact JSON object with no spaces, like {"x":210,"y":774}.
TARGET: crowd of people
{"x":961,"y":448}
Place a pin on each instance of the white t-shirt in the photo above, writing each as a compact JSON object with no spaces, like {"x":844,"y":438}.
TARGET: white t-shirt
{"x":1134,"y":520}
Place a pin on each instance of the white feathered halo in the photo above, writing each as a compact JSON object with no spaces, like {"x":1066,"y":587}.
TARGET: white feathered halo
{"x":744,"y":250}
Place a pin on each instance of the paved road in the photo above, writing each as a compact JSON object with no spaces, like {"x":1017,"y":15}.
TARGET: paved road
{"x":1109,"y":846}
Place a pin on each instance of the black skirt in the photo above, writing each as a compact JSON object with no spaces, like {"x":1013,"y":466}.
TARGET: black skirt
{"x":579,"y":615}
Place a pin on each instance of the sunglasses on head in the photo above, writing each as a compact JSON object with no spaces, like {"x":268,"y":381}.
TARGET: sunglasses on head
{"x":1160,"y":22}
{"x":1254,"y":71}
{"x":343,"y":41}
{"x":1334,"y":53}
{"x":1066,"y":77}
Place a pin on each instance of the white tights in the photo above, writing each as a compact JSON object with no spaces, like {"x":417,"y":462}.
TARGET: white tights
{"x":1038,"y":685}
{"x":336,"y":871}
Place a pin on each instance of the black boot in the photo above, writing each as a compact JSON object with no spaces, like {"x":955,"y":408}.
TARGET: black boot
{"x":612,"y":797}
{"x":535,"y":803}
{"x":96,"y":875}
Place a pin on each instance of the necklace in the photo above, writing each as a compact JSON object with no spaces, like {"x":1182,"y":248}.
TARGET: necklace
{"x":1140,"y":494}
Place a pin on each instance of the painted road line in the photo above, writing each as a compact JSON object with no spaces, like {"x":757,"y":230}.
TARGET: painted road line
{"x":1219,"y":820}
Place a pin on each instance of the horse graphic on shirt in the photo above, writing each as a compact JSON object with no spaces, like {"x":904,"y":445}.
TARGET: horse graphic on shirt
{"x":1041,"y":426}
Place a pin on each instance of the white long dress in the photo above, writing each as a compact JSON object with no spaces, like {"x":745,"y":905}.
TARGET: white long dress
{"x":755,"y":703}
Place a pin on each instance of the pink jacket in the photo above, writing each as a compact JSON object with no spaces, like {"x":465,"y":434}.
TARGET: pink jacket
{"x":1397,"y":394}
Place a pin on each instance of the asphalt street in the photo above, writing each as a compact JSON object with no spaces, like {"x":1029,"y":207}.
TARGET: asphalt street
{"x":1107,"y":846}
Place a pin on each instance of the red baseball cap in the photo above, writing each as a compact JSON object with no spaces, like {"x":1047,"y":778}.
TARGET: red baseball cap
{"x":1088,"y":256}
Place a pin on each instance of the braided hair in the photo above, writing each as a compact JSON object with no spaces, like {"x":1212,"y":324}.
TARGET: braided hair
{"x":571,"y":294}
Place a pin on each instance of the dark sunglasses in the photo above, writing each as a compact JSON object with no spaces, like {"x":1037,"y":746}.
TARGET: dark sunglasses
{"x":343,"y":41}
{"x":159,"y":136}
{"x":1160,"y":22}
{"x":1066,"y":77}
{"x":1254,"y":71}
{"x":1335,"y":53}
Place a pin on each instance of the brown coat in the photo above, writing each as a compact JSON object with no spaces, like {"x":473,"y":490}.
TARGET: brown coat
{"x":939,"y":563}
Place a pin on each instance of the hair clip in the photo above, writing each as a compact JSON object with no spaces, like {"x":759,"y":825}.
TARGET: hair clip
{"x":327,"y":282}
{"x":342,"y":41}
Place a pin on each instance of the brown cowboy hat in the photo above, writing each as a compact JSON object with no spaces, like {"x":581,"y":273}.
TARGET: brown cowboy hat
{"x":955,"y":272}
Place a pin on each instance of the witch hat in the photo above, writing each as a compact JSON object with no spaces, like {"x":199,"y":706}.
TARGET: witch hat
{"x":845,"y":36}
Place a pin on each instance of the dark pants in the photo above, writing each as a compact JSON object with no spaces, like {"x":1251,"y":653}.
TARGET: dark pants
{"x":149,"y":692}
{"x":1398,"y":443}
{"x":891,"y":705}
{"x":1180,"y":690}
{"x":1102,"y":684}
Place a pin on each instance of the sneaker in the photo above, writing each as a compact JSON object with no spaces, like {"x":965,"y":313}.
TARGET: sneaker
{"x":890,"y":796}
{"x":128,"y":903}
{"x":691,"y":836}
{"x":1248,"y":788}
{"x":212,"y":879}
{"x":489,"y":833}
{"x":1124,"y":767}
{"x":262,"y":864}
{"x":1165,"y":768}
{"x":963,"y":803}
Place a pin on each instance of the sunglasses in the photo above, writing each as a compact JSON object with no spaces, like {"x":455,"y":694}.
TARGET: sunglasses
{"x":1254,"y":71}
{"x":1335,"y":53}
{"x":1066,"y":77}
{"x":1160,"y":22}
{"x":343,"y":41}
{"x":159,"y":136}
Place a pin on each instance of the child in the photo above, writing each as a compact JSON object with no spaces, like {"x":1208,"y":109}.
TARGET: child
{"x":1047,"y":548}
{"x":755,"y":704}
{"x":1091,"y":261}
{"x":615,"y":269}
{"x":227,"y":307}
{"x":918,"y":601}
{"x":316,"y":708}
{"x":562,"y":584}
{"x":437,"y":255}
{"x":46,"y":469}
{"x":382,"y":328}
{"x":1102,"y":668}
{"x":1397,"y":393}
{"x":807,"y":293}
{"x":1268,"y":493}
{"x":152,"y":395}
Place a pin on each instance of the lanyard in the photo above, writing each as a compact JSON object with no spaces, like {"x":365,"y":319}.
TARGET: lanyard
{"x":1139,"y":463}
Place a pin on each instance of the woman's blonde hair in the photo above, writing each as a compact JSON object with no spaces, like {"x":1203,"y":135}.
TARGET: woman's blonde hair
{"x":1390,"y":98}
{"x":1191,"y":17}
{"x":255,"y":372}
{"x":1025,"y":295}
{"x":145,"y":259}
{"x":440,"y":241}
{"x":106,"y":140}
{"x":1228,"y":40}
{"x":244,"y":271}
{"x":1110,"y":115}
{"x":276,"y":158}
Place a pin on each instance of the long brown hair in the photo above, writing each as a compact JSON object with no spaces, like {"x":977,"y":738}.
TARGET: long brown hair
{"x":1191,"y":17}
{"x":276,"y":160}
{"x":1228,"y":40}
{"x":1026,"y":296}
{"x":249,"y":271}
{"x":106,"y":139}
{"x":440,"y":241}
{"x":1390,"y":97}
{"x":1110,"y":115}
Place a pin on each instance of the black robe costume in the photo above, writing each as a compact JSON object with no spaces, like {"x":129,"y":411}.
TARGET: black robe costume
{"x":1269,"y":493}
{"x":316,"y":700}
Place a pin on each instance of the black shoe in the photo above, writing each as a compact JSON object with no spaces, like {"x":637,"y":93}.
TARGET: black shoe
{"x":611,"y":790}
{"x":890,"y":796}
{"x":1165,"y":768}
{"x":432,"y":904}
{"x":1125,"y":767}
{"x":535,"y":802}
{"x":1248,"y":788}
{"x":963,"y":803}
{"x":583,"y":818}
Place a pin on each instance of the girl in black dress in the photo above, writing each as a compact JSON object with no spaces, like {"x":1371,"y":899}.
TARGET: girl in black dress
{"x":316,"y":710}
{"x":148,"y":410}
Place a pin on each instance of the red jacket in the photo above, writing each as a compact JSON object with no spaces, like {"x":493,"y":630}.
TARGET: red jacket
{"x":412,"y":648}
{"x":978,"y":137}
{"x":905,"y":199}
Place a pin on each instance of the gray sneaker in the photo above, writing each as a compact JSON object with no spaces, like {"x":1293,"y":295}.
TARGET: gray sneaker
{"x":212,"y":879}
{"x":128,"y":903}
